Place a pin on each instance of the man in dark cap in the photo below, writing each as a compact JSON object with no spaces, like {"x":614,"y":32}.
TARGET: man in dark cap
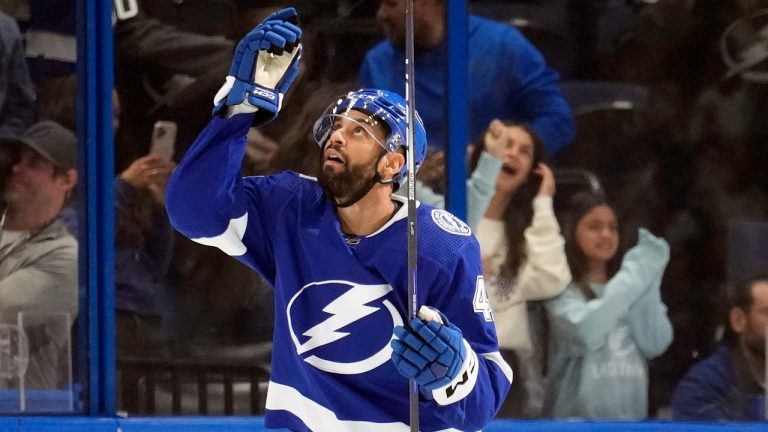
{"x":38,"y":256}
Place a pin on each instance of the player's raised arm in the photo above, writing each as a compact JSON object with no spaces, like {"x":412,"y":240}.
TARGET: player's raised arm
{"x":205,"y":194}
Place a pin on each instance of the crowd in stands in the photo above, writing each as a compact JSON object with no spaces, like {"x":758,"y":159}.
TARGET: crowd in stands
{"x":610,"y":300}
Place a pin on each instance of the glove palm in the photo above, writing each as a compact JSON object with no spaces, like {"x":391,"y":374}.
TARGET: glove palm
{"x":265,"y":64}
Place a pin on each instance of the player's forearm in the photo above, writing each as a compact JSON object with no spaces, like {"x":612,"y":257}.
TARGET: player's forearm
{"x":204,"y":192}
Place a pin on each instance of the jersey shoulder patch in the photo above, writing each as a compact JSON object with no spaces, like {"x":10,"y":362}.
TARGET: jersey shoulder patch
{"x":450,"y":223}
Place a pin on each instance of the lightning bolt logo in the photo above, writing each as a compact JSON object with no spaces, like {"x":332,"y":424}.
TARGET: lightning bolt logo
{"x":346,"y":309}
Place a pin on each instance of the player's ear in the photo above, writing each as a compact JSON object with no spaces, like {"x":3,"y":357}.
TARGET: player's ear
{"x":391,"y":165}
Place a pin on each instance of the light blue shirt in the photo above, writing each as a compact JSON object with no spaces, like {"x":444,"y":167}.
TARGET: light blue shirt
{"x":599,"y":348}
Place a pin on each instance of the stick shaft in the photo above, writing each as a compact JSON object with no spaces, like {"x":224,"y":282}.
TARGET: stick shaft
{"x":410,"y":100}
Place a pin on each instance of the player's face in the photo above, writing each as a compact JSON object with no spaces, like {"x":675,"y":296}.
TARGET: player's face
{"x":518,"y":158}
{"x":597,"y":234}
{"x":351,"y":154}
{"x":757,"y":318}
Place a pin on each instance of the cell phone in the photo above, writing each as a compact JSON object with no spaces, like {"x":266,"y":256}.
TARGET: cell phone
{"x":163,"y":139}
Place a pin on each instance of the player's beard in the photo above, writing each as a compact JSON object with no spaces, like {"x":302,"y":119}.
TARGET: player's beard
{"x":350,"y":182}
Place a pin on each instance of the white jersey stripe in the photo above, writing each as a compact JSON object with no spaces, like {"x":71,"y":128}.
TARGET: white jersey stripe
{"x":320,"y":418}
{"x":495,"y":357}
{"x":231,"y":240}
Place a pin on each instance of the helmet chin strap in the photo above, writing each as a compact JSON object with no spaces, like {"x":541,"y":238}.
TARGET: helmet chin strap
{"x":357,"y":196}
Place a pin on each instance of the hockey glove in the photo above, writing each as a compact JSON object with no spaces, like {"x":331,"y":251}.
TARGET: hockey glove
{"x":265,"y":64}
{"x":432,"y":352}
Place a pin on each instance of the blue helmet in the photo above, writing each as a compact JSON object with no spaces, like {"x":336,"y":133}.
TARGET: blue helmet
{"x":381,"y":105}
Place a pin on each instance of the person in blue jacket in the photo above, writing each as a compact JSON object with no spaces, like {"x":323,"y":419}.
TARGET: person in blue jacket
{"x":17,"y":92}
{"x":609,"y":321}
{"x":508,"y":76}
{"x":335,"y":251}
{"x":729,"y":385}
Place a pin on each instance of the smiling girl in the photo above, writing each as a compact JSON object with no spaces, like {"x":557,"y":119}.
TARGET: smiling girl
{"x":609,"y":321}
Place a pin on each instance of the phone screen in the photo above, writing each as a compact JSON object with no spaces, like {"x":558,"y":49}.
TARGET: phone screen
{"x":163,"y":139}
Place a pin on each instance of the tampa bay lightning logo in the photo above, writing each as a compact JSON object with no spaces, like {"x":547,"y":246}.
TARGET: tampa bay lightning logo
{"x":448,"y":222}
{"x":343,"y":327}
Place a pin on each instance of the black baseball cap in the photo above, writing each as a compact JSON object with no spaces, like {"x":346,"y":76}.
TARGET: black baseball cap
{"x":52,"y":141}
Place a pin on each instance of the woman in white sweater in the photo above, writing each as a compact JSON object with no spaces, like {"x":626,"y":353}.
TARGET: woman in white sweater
{"x":523,"y":255}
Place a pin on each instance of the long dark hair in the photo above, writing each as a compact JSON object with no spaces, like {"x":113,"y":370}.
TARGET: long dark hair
{"x":580,"y":204}
{"x":519,"y":213}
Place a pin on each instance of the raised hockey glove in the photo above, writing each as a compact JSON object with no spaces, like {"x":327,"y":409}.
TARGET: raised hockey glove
{"x":265,"y":64}
{"x":432,"y":351}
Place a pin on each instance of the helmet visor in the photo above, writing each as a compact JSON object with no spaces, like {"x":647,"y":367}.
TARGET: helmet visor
{"x":366,"y":104}
{"x":324,"y":127}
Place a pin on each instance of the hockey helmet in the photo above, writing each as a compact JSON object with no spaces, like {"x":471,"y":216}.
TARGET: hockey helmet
{"x":380,"y":105}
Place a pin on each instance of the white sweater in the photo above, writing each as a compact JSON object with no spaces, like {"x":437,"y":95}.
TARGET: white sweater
{"x":545,"y":273}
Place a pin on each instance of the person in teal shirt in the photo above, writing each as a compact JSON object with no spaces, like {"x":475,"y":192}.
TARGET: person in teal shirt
{"x":609,"y":321}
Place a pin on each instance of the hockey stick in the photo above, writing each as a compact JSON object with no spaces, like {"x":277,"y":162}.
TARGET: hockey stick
{"x":410,"y":101}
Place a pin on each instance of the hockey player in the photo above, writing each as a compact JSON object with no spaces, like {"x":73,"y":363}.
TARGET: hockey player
{"x":334,"y":249}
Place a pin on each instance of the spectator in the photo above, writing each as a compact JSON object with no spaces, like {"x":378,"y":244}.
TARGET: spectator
{"x":510,"y":78}
{"x":143,"y":235}
{"x":143,"y":247}
{"x":38,"y":256}
{"x":608,"y":322}
{"x":17,"y":92}
{"x":170,"y":58}
{"x":485,"y":166}
{"x":523,"y":255}
{"x":51,"y":40}
{"x":729,"y":385}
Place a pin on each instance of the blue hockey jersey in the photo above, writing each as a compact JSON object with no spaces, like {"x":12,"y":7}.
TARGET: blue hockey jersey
{"x":337,"y":299}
